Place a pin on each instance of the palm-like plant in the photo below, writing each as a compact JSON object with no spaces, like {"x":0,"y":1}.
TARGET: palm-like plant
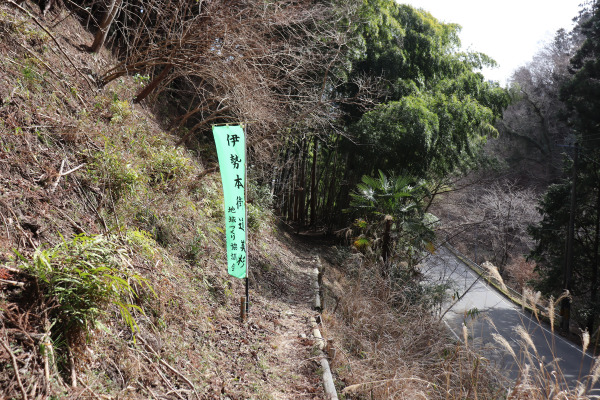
{"x":401,"y":200}
{"x":384,"y":196}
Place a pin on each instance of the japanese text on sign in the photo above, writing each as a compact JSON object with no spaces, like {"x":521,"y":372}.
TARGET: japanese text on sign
{"x":231,"y":149}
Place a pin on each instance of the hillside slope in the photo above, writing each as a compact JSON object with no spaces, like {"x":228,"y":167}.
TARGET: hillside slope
{"x":85,"y":174}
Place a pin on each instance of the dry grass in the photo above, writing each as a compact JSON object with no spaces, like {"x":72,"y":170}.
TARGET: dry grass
{"x":540,"y":379}
{"x":394,"y":349}
{"x":493,"y":273}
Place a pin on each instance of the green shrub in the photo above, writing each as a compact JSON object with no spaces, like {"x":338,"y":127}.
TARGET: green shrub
{"x":81,"y":277}
{"x":260,"y":203}
{"x":362,"y":244}
{"x":166,"y":165}
{"x":260,"y":195}
{"x":159,"y":227}
{"x":31,"y":75}
{"x":143,"y":243}
{"x":141,"y":79}
{"x":196,"y":247}
{"x":120,"y":110}
{"x":115,"y":174}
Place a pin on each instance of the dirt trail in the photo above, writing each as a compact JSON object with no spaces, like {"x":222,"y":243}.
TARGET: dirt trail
{"x":285,"y":306}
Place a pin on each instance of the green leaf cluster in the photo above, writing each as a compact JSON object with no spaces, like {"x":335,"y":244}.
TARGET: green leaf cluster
{"x":81,"y":277}
{"x":401,"y":199}
{"x":435,"y":110}
{"x":409,"y":102}
{"x":383,"y":195}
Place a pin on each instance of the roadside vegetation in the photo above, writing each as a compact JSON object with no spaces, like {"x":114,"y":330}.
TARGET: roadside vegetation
{"x":544,"y":169}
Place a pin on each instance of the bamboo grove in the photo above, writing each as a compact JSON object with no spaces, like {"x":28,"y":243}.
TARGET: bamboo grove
{"x":332,"y":89}
{"x":425,"y":115}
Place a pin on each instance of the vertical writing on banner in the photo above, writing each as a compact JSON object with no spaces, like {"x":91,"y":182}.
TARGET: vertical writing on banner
{"x":231,"y":150}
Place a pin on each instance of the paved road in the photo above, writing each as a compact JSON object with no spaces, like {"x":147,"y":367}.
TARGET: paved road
{"x":483,"y":303}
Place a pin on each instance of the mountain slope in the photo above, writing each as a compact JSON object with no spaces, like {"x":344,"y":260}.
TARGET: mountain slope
{"x":79,"y":163}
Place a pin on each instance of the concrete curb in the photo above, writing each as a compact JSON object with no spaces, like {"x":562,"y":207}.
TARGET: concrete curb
{"x":320,"y":343}
{"x":480,"y":272}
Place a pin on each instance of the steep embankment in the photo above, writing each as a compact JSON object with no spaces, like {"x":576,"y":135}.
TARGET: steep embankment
{"x":97,"y":203}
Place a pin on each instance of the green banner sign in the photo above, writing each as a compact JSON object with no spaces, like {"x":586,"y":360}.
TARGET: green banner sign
{"x":231,"y":149}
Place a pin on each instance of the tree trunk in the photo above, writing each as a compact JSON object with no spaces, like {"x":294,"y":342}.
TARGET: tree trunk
{"x":330,"y":196}
{"x":295,"y":190}
{"x":280,"y":183}
{"x":565,"y":310}
{"x":385,"y":248}
{"x":152,"y":85}
{"x":343,"y":199}
{"x":100,"y":37}
{"x":284,"y":190}
{"x":290,"y":202}
{"x":302,"y":184}
{"x":333,"y":186}
{"x":325,"y":177}
{"x":313,"y":185}
{"x":594,"y":282}
{"x":329,"y":182}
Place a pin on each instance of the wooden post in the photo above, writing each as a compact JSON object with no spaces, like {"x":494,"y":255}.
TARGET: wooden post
{"x":330,"y":349}
{"x":247,"y":284}
{"x":243,"y":308}
{"x":318,"y":305}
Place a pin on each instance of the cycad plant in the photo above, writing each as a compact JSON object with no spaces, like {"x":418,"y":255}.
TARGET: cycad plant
{"x":382,"y":195}
{"x":398,"y":204}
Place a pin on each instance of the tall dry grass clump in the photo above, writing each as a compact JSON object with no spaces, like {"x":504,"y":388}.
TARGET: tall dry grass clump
{"x":394,"y":348}
{"x":541,"y":379}
{"x":494,"y":274}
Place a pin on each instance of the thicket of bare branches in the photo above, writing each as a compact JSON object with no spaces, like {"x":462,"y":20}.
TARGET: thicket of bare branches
{"x":506,"y":211}
{"x":493,"y":219}
{"x":272,"y":64}
{"x":533,"y":129}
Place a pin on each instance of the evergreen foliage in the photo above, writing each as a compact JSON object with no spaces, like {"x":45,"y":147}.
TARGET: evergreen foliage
{"x":82,"y":276}
{"x":581,"y":94}
{"x":401,"y":202}
{"x":426,"y":114}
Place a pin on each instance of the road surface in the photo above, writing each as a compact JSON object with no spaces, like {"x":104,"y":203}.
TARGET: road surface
{"x":481,"y":303}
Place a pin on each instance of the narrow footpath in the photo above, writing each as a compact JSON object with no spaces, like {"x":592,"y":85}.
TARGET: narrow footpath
{"x":287,"y":292}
